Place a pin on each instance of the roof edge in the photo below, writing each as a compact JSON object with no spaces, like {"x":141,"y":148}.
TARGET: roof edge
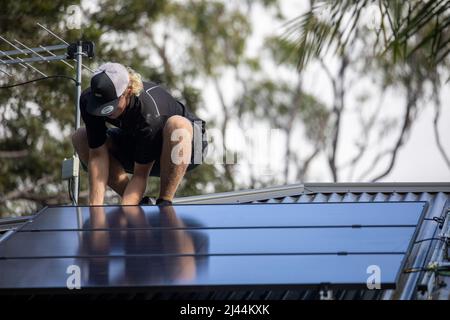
{"x":247,"y":195}
{"x":250,"y":195}
{"x":378,"y":187}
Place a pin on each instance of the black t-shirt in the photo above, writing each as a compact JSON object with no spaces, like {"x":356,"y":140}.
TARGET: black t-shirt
{"x":142,"y":120}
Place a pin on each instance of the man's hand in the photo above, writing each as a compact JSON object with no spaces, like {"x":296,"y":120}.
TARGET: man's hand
{"x":137,"y":185}
{"x":98,"y":174}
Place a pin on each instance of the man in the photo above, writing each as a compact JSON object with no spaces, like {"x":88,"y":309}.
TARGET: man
{"x":155,"y":135}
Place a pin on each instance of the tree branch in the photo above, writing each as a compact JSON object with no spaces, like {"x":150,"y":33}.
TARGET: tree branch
{"x":224,"y":126}
{"x":363,"y":146}
{"x":306,"y":163}
{"x":437,"y":112}
{"x":16,"y":194}
{"x":337,"y":111}
{"x":12,"y":154}
{"x":410,"y":104}
{"x":290,"y":126}
{"x":161,"y":50}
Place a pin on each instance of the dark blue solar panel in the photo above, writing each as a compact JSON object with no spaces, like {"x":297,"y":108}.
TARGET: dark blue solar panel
{"x":212,"y":245}
{"x":215,"y":241}
{"x":244,"y":215}
{"x":210,"y":271}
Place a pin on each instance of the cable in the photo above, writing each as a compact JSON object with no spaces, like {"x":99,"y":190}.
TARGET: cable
{"x":430,"y":239}
{"x":38,"y":79}
{"x":437,"y":219}
{"x":70,"y":190}
{"x":413,"y":270}
{"x":440,"y":221}
{"x":434,"y":267}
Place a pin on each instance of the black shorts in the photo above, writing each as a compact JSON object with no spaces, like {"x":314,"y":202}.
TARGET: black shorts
{"x":124,"y":148}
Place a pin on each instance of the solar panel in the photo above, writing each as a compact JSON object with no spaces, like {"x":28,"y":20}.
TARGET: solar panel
{"x":259,"y":215}
{"x":213,"y":272}
{"x":193,"y":246}
{"x":219,"y":241}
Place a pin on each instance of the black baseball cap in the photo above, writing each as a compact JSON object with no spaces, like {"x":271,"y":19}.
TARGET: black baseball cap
{"x":108,"y":83}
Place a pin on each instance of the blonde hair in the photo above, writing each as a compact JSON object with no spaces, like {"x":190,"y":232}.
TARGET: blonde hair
{"x":135,"y":82}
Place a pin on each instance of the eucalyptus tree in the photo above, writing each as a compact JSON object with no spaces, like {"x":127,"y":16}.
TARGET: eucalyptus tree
{"x":406,"y":43}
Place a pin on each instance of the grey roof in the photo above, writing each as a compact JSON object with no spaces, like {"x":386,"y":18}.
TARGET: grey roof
{"x":436,"y":194}
{"x":329,"y":192}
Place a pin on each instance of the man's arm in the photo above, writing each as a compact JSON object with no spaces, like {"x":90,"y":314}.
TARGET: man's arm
{"x":98,"y":174}
{"x":98,"y":165}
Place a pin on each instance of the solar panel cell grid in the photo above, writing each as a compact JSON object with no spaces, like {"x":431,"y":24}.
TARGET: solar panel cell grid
{"x":291,"y":245}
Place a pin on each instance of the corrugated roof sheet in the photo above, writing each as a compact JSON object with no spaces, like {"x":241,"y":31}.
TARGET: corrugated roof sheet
{"x":436,"y":194}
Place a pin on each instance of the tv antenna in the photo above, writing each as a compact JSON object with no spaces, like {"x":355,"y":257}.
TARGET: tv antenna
{"x":24,"y":56}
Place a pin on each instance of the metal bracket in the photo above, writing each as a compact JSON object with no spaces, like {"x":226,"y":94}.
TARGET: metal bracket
{"x":326,"y":293}
{"x":88,"y":49}
{"x":446,"y":234}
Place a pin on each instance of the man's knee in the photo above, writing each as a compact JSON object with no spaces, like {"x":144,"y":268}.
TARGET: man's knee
{"x":79,"y":137}
{"x":178,"y":131}
{"x":178,"y":127}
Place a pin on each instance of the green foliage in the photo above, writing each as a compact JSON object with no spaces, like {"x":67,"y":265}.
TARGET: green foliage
{"x":279,"y":101}
{"x":218,"y":32}
{"x":282,"y":50}
{"x":126,"y":15}
{"x":28,"y":112}
{"x":399,"y":27}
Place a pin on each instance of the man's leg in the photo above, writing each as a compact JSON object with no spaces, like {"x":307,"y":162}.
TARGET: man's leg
{"x":118,"y":178}
{"x":175,"y":155}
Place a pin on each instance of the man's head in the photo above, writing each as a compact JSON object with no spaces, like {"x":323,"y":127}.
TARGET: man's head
{"x":112,"y":85}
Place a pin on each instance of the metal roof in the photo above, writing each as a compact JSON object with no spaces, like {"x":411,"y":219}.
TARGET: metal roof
{"x":319,"y":192}
{"x":418,"y":285}
{"x":436,"y":194}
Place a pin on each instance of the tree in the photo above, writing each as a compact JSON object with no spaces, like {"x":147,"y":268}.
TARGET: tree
{"x":286,"y":106}
{"x":180,"y":44}
{"x":410,"y":45}
{"x":396,"y":25}
{"x":37,"y":120}
{"x":26,"y":114}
